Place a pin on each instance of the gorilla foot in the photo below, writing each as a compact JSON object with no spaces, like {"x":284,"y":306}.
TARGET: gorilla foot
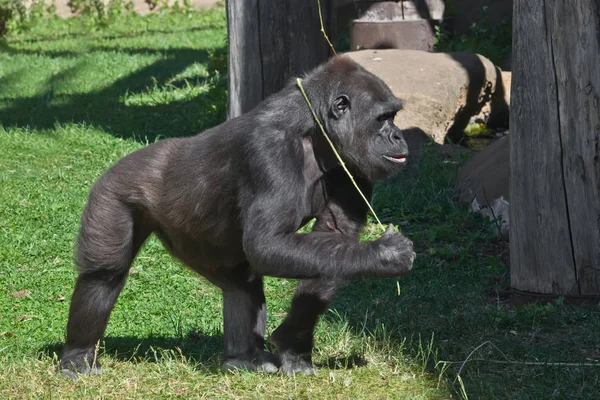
{"x":76,"y":362}
{"x":292,"y":363}
{"x":265,"y":362}
{"x":74,"y":374}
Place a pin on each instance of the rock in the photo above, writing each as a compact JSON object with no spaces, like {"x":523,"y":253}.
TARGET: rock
{"x":431,"y":9}
{"x":408,"y":34}
{"x":485,"y":176}
{"x":506,"y":64}
{"x":440,"y":91}
{"x":496,"y":112}
{"x":415,"y":140}
{"x":497,"y":211}
{"x":402,"y":11}
{"x":507,"y":82}
{"x":483,"y":182}
{"x":452,"y":151}
{"x":397,"y":25}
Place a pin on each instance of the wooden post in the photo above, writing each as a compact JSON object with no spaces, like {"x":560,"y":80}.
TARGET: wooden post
{"x":555,"y":148}
{"x":271,"y":42}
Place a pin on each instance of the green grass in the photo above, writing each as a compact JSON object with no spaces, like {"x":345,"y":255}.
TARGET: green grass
{"x":72,"y":102}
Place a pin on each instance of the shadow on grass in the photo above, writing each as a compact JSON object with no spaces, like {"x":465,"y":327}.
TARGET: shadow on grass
{"x":196,"y":348}
{"x":106,"y":109}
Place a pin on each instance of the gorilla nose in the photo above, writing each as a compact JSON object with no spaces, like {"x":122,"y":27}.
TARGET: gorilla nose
{"x":397,"y":135}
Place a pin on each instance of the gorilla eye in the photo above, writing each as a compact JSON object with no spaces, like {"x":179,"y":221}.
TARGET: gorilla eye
{"x":386,"y":116}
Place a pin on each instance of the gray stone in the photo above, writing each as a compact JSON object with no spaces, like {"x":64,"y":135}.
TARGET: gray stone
{"x":440,"y":91}
{"x":402,"y":11}
{"x":395,"y":34}
{"x":485,"y":176}
{"x":498,"y":212}
{"x":483,"y":181}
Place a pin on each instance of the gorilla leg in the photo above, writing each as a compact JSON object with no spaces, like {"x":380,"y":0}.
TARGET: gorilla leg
{"x":244,"y":320}
{"x":92,"y":302}
{"x":294,"y":337}
{"x":108,"y":243}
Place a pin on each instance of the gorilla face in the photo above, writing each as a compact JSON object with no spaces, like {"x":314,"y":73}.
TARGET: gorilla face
{"x":362,"y":121}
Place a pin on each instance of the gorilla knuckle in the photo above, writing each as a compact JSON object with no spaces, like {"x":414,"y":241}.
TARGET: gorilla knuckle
{"x":396,"y":253}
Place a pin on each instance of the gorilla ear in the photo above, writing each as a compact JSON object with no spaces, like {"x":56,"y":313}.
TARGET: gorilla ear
{"x":339,"y":106}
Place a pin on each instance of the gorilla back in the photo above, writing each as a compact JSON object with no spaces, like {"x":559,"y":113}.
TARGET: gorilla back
{"x":228,"y":204}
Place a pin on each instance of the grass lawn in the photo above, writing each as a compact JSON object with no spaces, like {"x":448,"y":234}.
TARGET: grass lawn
{"x":74,"y":100}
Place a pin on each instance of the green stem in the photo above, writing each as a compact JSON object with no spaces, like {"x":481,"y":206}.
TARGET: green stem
{"x":299,"y":83}
{"x":323,"y":28}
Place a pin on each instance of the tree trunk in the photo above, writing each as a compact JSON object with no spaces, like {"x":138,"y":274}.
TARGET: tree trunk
{"x":271,"y":42}
{"x":555,"y":148}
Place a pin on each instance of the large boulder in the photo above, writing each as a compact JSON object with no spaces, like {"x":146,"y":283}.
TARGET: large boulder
{"x":485,"y":176}
{"x":440,"y":91}
{"x":497,"y":117}
{"x":483,"y":181}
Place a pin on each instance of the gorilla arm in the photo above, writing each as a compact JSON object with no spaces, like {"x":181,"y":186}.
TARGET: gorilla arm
{"x":274,"y":248}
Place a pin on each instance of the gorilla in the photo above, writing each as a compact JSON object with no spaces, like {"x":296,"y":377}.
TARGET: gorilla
{"x":228,"y":203}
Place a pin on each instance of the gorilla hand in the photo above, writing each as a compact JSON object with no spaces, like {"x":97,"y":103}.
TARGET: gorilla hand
{"x":395,"y":253}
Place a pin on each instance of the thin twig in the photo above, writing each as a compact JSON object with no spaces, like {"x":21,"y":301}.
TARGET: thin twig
{"x":509,"y":362}
{"x":299,"y":83}
{"x":477,"y":348}
{"x":323,"y":28}
{"x":529,"y":363}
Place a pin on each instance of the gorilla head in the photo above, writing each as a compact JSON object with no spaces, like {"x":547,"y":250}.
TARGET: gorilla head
{"x":359,"y":116}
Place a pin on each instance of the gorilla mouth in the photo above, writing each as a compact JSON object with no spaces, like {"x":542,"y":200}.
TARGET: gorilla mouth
{"x":396,"y":159}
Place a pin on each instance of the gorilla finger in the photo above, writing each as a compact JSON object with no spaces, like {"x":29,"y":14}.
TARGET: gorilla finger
{"x":389,"y":230}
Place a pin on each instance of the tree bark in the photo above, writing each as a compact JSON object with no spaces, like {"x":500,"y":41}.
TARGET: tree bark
{"x":555,"y":148}
{"x":271,"y":42}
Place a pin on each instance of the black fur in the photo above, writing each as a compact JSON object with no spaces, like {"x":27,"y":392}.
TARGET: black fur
{"x":228,"y":203}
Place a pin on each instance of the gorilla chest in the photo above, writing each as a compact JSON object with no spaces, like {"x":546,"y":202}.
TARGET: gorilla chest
{"x":316,"y":199}
{"x":314,"y":195}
